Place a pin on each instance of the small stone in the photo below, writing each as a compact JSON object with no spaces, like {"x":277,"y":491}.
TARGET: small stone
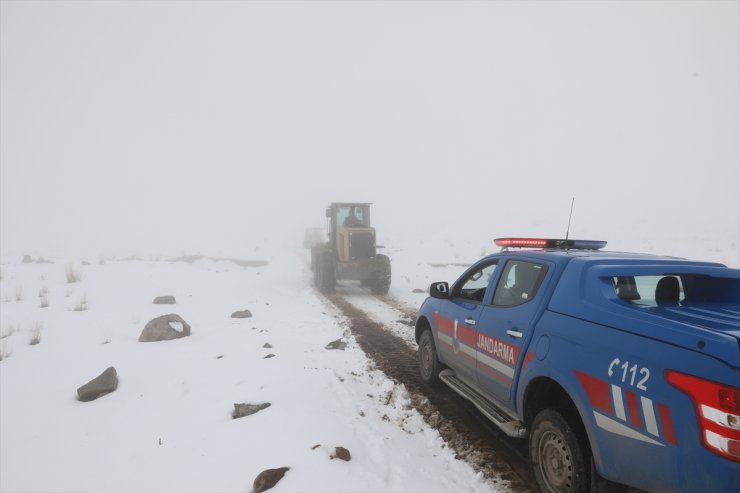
{"x":417,"y":290}
{"x":268,"y":478}
{"x":164,"y":300}
{"x":269,"y":356}
{"x":242,"y":410}
{"x":338,"y":344}
{"x":341,"y":453}
{"x":316,"y":446}
{"x":267,"y":345}
{"x":220,"y":356}
{"x":242,"y":314}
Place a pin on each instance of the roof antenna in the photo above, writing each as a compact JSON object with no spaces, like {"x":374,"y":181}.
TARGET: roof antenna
{"x":567,"y":231}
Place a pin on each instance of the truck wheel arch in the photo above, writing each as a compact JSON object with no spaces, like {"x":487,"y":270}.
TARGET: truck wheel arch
{"x":543,"y":393}
{"x":422,"y":324}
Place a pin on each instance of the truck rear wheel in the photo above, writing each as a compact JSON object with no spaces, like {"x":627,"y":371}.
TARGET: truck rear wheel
{"x":559,"y":456}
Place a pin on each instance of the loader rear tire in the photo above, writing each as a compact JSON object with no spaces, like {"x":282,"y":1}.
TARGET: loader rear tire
{"x":327,"y":280}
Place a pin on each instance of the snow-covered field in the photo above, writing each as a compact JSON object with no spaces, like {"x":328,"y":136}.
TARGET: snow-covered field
{"x":169,"y":426}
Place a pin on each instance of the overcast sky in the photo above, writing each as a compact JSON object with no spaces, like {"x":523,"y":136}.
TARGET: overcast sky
{"x":168,"y":127}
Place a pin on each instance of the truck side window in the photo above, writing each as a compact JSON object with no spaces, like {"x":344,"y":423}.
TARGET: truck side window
{"x":651,"y":290}
{"x":473,"y":287}
{"x":518,"y":283}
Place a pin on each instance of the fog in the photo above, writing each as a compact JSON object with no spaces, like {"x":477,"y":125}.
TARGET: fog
{"x":183,"y":127}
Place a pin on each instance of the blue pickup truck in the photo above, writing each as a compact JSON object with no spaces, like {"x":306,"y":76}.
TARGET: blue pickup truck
{"x":622,"y":370}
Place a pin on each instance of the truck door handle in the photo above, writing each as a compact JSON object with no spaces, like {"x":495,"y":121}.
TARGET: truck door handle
{"x":515,"y":333}
{"x":470,"y":321}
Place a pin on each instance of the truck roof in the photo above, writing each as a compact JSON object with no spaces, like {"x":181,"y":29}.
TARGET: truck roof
{"x":564,"y":256}
{"x":564,"y":250}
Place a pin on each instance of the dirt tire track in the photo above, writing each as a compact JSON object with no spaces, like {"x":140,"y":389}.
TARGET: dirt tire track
{"x":500,"y":458}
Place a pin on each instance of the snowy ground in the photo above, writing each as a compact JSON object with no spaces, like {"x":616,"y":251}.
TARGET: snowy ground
{"x":168,"y":426}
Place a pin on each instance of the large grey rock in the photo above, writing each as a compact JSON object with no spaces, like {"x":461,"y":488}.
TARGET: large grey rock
{"x":242,"y":314}
{"x":241,"y":410}
{"x":165,"y":328}
{"x":268,"y":478}
{"x":164,"y":300}
{"x":105,"y":383}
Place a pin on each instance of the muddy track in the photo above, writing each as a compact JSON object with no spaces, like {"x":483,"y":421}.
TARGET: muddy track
{"x":474,"y":439}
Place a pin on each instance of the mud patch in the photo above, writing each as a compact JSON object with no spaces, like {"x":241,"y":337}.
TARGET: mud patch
{"x":474,"y":439}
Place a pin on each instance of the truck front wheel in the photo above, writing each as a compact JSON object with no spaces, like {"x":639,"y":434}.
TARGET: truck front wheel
{"x":559,"y":456}
{"x":429,"y":365}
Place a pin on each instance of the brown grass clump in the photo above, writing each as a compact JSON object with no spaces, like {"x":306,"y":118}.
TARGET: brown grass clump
{"x":81,"y":305}
{"x":73,"y":274}
{"x":36,"y":334}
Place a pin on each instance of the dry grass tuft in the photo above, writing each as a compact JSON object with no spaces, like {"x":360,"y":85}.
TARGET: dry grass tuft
{"x":73,"y":274}
{"x":19,"y":293}
{"x":81,"y":305}
{"x":5,"y":349}
{"x":36,"y":334}
{"x":44,"y":301}
{"x":9,"y":331}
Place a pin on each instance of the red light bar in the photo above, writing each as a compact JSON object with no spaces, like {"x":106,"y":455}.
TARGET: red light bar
{"x":549,"y":243}
{"x":520,"y":242}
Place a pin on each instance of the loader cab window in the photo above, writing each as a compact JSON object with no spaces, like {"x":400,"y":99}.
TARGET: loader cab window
{"x":353,"y":216}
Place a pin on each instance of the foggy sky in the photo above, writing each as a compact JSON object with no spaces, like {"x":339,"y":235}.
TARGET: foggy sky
{"x":175,"y":127}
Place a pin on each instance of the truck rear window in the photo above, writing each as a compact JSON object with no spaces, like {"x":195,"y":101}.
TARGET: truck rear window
{"x":676,"y":289}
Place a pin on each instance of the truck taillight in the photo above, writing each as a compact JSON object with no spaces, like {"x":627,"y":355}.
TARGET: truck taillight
{"x":718,"y":409}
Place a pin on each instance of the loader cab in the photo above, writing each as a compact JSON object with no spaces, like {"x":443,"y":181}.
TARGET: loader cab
{"x":348,"y":227}
{"x":347,"y":215}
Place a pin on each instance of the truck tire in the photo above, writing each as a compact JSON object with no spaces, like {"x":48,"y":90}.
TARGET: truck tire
{"x":327,"y":280}
{"x":560,"y":457}
{"x":429,"y":365}
{"x":381,"y":281}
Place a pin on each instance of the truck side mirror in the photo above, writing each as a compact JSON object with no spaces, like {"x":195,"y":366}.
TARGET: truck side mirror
{"x":439,"y":290}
